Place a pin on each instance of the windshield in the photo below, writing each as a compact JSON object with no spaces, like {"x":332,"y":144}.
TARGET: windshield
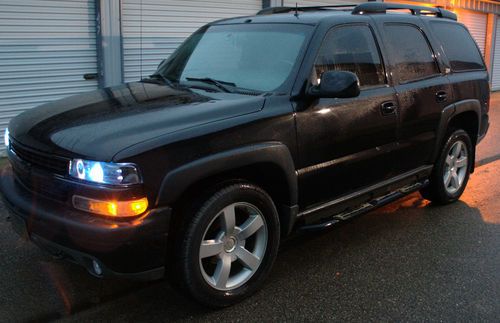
{"x":256,"y":57}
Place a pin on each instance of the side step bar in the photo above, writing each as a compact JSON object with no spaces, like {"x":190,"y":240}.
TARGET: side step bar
{"x":363,"y":208}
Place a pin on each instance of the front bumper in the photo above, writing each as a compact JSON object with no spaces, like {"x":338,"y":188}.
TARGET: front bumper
{"x":134,"y":249}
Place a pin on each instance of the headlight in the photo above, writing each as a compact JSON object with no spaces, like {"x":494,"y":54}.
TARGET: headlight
{"x":6,"y":139}
{"x":104,"y":173}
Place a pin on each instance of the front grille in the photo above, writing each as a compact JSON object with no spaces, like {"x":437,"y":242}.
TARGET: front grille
{"x":56,"y":165}
{"x":25,"y":165}
{"x":43,"y":186}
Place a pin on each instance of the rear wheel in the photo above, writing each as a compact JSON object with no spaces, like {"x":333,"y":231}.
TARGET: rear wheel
{"x":451,"y":172}
{"x":228,"y":246}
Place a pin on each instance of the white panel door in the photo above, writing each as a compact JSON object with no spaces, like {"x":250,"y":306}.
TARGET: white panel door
{"x":164,"y":24}
{"x":495,"y":70}
{"x":46,"y":46}
{"x":476,"y":23}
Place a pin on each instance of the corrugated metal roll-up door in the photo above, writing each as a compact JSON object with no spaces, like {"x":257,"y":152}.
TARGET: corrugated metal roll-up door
{"x":476,"y":23}
{"x":495,"y":70}
{"x":306,"y":3}
{"x":45,"y":49}
{"x":165,"y":24}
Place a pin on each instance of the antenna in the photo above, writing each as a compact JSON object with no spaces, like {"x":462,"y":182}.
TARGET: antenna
{"x":140,"y":40}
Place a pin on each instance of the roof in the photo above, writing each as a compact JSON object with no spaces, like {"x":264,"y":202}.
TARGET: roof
{"x":309,"y":17}
{"x":316,"y":14}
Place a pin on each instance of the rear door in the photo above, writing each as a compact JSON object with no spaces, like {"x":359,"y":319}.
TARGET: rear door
{"x":466,"y":69}
{"x":423,"y":90}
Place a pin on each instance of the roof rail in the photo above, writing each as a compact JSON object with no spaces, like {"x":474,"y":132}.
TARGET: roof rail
{"x":383,"y":7}
{"x":275,"y":10}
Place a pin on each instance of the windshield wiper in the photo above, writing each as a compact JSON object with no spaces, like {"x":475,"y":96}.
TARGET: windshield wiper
{"x":163,"y":78}
{"x":220,"y":84}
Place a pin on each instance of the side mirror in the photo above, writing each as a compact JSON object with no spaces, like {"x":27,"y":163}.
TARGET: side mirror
{"x":336,"y":84}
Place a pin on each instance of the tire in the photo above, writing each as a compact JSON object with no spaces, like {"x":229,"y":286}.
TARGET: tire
{"x":451,"y":171}
{"x":246,"y":243}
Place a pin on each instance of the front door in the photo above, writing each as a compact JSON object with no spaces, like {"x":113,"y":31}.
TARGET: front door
{"x":347,"y":144}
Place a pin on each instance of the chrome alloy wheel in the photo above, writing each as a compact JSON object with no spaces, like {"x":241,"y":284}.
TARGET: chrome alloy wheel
{"x":455,"y":168}
{"x":233,"y":246}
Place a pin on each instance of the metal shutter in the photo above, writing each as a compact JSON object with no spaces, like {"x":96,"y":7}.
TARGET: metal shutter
{"x":495,"y":71}
{"x":45,"y":48}
{"x":305,"y":3}
{"x":476,"y":23}
{"x":165,"y":24}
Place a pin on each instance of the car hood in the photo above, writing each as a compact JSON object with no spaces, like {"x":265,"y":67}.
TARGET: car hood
{"x":98,"y":124}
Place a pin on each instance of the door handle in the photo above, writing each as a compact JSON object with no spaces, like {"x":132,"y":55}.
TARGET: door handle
{"x":388,"y":108}
{"x":441,"y":96}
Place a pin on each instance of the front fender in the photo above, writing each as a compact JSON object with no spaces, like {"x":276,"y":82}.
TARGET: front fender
{"x":178,"y":180}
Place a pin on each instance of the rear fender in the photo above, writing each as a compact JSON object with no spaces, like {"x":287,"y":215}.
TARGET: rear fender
{"x":448,"y":113}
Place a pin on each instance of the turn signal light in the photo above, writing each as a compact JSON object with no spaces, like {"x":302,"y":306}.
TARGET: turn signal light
{"x":111,"y":208}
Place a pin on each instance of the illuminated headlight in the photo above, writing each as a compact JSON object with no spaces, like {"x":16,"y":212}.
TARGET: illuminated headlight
{"x":6,"y":138}
{"x":104,"y":173}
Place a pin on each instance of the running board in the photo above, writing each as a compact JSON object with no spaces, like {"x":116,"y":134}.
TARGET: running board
{"x":363,"y":208}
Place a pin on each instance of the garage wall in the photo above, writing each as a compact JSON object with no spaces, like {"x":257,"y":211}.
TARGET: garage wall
{"x":165,"y":24}
{"x":45,"y":48}
{"x":495,"y":70}
{"x":304,"y":3}
{"x":476,"y":23}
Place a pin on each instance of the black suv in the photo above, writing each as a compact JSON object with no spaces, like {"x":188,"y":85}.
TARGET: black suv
{"x":256,"y":127}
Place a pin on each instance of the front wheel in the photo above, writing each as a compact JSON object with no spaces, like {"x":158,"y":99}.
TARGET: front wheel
{"x":229,"y":246}
{"x":451,"y":172}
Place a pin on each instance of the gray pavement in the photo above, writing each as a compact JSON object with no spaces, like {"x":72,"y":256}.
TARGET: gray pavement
{"x":409,"y":261}
{"x":489,"y":149}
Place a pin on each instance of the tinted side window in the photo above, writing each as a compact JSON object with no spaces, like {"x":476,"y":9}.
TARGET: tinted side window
{"x":353,"y":49}
{"x":411,"y":55}
{"x":458,"y":46}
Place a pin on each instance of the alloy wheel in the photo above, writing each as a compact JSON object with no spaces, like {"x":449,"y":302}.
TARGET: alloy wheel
{"x":233,"y":246}
{"x":455,"y":169}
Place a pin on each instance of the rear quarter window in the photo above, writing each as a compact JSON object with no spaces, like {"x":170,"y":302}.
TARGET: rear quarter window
{"x":459,"y":46}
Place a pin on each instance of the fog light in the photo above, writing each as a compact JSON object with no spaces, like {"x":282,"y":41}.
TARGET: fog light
{"x":111,"y":208}
{"x":97,"y":268}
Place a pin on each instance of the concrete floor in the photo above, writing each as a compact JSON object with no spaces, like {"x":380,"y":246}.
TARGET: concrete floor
{"x":409,"y":261}
{"x":489,"y":149}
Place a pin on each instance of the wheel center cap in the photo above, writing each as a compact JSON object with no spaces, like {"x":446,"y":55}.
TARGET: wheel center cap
{"x":230,"y":244}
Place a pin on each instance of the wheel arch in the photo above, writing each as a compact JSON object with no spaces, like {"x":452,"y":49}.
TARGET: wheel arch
{"x":465,"y":115}
{"x":268,"y":165}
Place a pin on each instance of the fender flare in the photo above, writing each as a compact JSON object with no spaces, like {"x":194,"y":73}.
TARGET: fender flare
{"x":448,"y":113}
{"x":176,"y":181}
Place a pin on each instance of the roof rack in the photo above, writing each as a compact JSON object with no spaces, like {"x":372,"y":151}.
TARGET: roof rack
{"x":368,"y":8}
{"x":383,"y":7}
{"x":275,"y":10}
